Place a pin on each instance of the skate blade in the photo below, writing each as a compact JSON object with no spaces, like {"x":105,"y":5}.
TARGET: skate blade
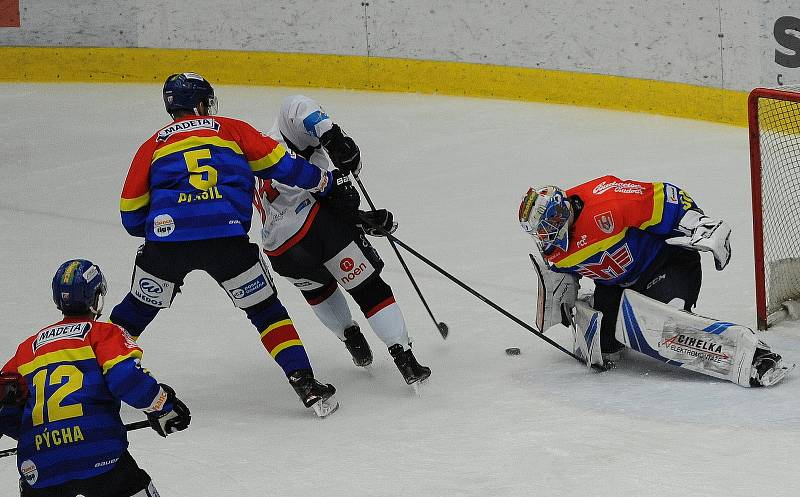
{"x":776,"y":375}
{"x":325,"y":408}
{"x":418,"y":386}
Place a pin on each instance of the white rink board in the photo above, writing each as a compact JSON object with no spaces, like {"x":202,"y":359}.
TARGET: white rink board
{"x":728,"y":45}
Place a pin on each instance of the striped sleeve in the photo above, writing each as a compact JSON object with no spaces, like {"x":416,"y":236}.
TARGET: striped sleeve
{"x":120,"y":360}
{"x":270,"y":160}
{"x":135,"y":199}
{"x":669,"y":204}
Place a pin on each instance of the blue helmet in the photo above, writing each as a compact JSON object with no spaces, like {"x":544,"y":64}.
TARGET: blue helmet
{"x":79,"y":287}
{"x":185,"y":91}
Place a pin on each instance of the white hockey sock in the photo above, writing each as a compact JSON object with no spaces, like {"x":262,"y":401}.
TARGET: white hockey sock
{"x":389,"y":325}
{"x":334,"y":313}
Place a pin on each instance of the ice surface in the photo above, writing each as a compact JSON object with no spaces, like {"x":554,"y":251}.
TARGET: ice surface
{"x":453,"y":171}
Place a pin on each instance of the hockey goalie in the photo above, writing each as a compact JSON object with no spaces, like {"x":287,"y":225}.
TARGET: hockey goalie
{"x":640,"y":243}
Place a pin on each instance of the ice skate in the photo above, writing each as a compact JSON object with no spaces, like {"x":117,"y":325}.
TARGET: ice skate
{"x":313,"y":393}
{"x":411,"y":370}
{"x":357,"y":346}
{"x":768,"y":369}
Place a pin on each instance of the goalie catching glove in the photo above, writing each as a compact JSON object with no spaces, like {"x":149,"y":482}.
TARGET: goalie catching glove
{"x":557,"y":291}
{"x":379,"y":222}
{"x":705,"y":234}
{"x":167,"y":413}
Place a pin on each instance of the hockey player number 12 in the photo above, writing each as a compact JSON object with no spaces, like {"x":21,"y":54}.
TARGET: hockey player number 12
{"x":56,"y":411}
{"x":200,"y":177}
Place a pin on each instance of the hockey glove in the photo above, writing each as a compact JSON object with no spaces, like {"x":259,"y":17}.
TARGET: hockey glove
{"x":341,"y":196}
{"x":379,"y":222}
{"x":705,"y":234}
{"x":557,"y":294}
{"x":342,"y":150}
{"x":13,"y":390}
{"x":168,"y":414}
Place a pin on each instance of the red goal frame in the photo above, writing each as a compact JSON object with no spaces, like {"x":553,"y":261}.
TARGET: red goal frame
{"x":762,"y":315}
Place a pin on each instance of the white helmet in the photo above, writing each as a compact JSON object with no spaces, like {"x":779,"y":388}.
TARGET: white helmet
{"x":545,"y":214}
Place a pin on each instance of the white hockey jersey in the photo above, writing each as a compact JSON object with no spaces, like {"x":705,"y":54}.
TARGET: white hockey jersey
{"x":287,"y":211}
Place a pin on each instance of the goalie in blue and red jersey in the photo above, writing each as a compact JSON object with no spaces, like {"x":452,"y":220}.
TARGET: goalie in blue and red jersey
{"x":642,"y":237}
{"x":61,"y":393}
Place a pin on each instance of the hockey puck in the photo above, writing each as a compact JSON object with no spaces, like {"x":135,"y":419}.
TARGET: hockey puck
{"x":512,"y":351}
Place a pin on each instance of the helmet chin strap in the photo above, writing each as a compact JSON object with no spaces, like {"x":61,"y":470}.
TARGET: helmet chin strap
{"x":97,"y":308}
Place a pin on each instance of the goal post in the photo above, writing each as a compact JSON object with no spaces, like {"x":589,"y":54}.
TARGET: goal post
{"x":774,"y":122}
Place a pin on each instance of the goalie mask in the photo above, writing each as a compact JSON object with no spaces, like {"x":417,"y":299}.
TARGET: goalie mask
{"x":545,"y":214}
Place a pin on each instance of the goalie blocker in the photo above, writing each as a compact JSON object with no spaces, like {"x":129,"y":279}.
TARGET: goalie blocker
{"x":715,"y":348}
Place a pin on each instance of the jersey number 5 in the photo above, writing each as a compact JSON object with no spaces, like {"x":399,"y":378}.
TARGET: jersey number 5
{"x":201,"y":177}
{"x":55,"y":410}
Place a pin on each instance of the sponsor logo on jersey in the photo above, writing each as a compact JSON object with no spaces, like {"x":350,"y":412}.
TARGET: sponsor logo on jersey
{"x":672,"y":194}
{"x":163,"y":225}
{"x":61,"y":332}
{"x":605,"y":221}
{"x":29,"y":471}
{"x":582,"y":241}
{"x":618,"y":187}
{"x":346,"y":264}
{"x":610,"y":266}
{"x":249,"y":288}
{"x":302,"y":205}
{"x":187,"y":126}
{"x":106,"y":463}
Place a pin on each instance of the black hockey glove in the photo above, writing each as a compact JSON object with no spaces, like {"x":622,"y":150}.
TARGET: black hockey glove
{"x":378,"y":222}
{"x":342,"y":150}
{"x":342,"y":197}
{"x":13,"y":390}
{"x":174,"y":416}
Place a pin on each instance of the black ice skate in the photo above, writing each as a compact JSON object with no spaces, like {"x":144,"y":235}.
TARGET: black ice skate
{"x":768,"y":369}
{"x":357,"y":346}
{"x":313,"y":393}
{"x":411,"y":370}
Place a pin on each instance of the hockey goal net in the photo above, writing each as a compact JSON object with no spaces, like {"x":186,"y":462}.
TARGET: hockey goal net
{"x":774,"y":116}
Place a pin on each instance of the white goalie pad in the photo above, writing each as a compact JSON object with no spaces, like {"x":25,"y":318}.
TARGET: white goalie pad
{"x":556,"y":290}
{"x":586,"y":333}
{"x":708,"y":346}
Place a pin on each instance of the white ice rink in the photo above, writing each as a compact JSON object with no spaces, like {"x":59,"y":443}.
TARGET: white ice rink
{"x":453,"y":171}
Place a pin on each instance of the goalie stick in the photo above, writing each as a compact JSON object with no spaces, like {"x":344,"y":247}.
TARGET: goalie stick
{"x":138,"y":425}
{"x":488,"y":302}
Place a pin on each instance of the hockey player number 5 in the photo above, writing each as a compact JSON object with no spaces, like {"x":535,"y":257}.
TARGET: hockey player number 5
{"x":200,"y":177}
{"x":56,"y":411}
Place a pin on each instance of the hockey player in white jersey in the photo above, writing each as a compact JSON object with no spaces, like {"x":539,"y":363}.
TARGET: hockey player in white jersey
{"x":320,"y":245}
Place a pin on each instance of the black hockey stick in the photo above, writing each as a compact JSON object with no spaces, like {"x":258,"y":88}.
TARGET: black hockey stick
{"x":444,"y":330}
{"x":138,"y":425}
{"x":490,"y":303}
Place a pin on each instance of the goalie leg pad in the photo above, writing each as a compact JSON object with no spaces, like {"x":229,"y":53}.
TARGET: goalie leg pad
{"x":715,"y":348}
{"x":586,"y":333}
